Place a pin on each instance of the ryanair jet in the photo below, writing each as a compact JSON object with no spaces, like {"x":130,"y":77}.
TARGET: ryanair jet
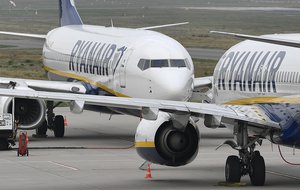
{"x":106,"y":61}
{"x":255,"y":90}
{"x":255,"y":93}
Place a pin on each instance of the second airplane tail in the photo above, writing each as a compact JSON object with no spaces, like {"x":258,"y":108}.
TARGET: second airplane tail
{"x":68,"y":14}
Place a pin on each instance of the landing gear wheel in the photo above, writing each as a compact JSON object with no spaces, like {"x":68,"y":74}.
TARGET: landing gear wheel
{"x":258,"y":171}
{"x":233,"y":169}
{"x":59,"y":126}
{"x":27,"y":152}
{"x":42,"y":130}
{"x":18,"y":152}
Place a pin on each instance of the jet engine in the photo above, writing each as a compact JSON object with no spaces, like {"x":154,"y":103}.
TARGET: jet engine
{"x":29,"y":113}
{"x":162,"y":143}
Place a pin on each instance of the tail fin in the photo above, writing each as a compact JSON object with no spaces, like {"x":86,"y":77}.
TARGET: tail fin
{"x":68,"y":14}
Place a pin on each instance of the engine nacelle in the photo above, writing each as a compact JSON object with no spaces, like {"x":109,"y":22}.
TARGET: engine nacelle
{"x":161,"y":143}
{"x":29,"y":113}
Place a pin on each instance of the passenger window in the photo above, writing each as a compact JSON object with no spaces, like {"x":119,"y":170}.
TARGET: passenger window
{"x":285,"y":77}
{"x":160,"y":63}
{"x":177,"y":63}
{"x":293,"y":78}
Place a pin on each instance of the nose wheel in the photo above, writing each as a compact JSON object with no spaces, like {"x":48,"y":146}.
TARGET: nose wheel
{"x":249,"y":162}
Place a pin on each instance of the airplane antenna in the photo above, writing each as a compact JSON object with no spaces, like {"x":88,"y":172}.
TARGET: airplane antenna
{"x":112,"y":22}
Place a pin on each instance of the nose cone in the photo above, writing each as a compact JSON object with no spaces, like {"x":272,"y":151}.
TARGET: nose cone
{"x":173,"y":84}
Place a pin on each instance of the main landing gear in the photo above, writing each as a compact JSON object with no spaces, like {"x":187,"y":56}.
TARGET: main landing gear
{"x":53,"y":122}
{"x":249,"y":162}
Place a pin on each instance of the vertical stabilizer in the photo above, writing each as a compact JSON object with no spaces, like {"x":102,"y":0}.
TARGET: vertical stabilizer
{"x":68,"y":14}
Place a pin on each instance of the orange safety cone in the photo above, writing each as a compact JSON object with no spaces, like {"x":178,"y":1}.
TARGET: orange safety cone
{"x":65,"y":121}
{"x":148,"y":173}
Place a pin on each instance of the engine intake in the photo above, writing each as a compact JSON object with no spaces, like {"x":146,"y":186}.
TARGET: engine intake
{"x":161,"y":143}
{"x":29,"y":113}
{"x":174,"y":145}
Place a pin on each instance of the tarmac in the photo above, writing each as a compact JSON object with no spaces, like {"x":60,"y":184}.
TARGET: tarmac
{"x":97,"y":153}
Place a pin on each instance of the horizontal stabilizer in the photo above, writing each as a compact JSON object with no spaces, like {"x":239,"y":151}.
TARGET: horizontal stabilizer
{"x":276,"y":41}
{"x":163,"y":26}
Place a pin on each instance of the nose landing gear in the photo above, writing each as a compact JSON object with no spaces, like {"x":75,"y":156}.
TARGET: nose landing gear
{"x":249,"y":162}
{"x":54,"y":122}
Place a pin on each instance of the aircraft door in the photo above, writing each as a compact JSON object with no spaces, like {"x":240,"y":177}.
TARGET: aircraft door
{"x":122,"y":74}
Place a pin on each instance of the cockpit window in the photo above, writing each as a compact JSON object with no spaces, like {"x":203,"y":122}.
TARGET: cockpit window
{"x":147,"y":64}
{"x":188,"y":64}
{"x":177,"y":63}
{"x":141,"y":64}
{"x":159,"y":63}
{"x":144,"y":64}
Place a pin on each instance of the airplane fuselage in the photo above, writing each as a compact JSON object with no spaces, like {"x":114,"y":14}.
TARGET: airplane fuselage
{"x":265,"y":75}
{"x":120,"y":62}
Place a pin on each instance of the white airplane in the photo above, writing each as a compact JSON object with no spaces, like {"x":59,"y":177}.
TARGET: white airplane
{"x":102,"y":60}
{"x":255,"y":89}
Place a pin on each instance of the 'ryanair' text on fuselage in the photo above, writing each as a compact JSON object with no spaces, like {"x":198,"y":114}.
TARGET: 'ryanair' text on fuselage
{"x":95,"y":57}
{"x":249,"y":71}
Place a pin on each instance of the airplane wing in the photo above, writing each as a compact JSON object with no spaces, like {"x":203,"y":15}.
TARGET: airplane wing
{"x":42,"y":85}
{"x":228,"y":114}
{"x":290,"y":43}
{"x":163,"y":26}
{"x":41,"y":36}
{"x":202,"y":89}
{"x":37,"y":36}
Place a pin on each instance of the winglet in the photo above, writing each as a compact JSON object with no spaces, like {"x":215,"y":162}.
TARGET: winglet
{"x":68,"y":14}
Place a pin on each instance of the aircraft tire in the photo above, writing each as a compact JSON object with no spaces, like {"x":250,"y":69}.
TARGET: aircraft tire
{"x":59,"y":126}
{"x":233,"y":169}
{"x":258,"y":171}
